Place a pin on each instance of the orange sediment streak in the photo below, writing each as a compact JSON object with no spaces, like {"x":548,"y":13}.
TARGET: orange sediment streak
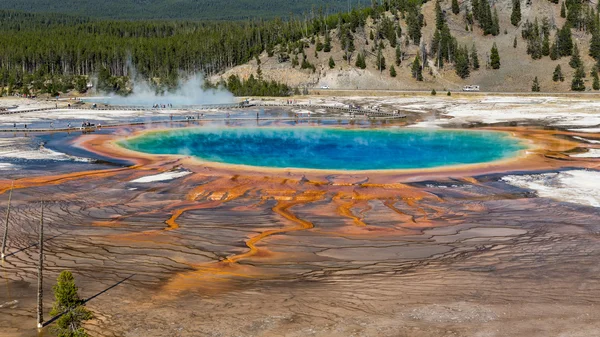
{"x":345,"y":209}
{"x":282,"y":208}
{"x":172,"y":221}
{"x":59,"y":179}
{"x":390,"y":204}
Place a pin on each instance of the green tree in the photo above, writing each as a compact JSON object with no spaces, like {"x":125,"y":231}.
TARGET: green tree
{"x":380,"y":61}
{"x":474,"y":58}
{"x":360,"y":61}
{"x":577,"y":82}
{"x":416,"y":70}
{"x":494,"y":57}
{"x":69,"y":305}
{"x":327,"y":45}
{"x":515,"y":16}
{"x":415,"y":22}
{"x":554,"y":54}
{"x":392,"y":71}
{"x":439,"y":16}
{"x":563,"y":10}
{"x":104,"y":80}
{"x":515,"y":42}
{"x":575,"y":61}
{"x":398,"y":55}
{"x":81,"y":84}
{"x":595,"y":45}
{"x":461,"y":62}
{"x":536,"y":85}
{"x":546,"y":46}
{"x":319,"y":45}
{"x":455,"y":7}
{"x":596,"y":80}
{"x":331,"y":63}
{"x":558,"y":75}
{"x":433,"y":92}
{"x":495,"y":29}
{"x":565,"y":41}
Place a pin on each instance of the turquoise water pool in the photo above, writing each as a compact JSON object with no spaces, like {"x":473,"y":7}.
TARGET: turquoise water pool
{"x":331,"y":148}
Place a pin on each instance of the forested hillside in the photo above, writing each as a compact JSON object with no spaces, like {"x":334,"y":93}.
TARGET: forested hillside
{"x":395,"y":44}
{"x":179,"y":9}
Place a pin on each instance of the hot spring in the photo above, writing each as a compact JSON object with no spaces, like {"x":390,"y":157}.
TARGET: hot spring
{"x":331,"y":148}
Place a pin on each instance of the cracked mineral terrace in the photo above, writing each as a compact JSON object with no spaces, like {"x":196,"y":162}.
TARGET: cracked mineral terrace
{"x":171,"y":246}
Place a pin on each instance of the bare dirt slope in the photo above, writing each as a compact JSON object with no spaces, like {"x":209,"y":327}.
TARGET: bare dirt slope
{"x":516,"y":73}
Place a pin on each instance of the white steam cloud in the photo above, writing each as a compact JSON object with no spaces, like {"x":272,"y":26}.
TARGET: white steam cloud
{"x":189,"y":91}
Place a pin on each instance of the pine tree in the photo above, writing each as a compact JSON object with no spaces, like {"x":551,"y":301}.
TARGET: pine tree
{"x":558,"y":75}
{"x":515,"y":42}
{"x":439,"y":16}
{"x":327,"y":45}
{"x":546,"y":46}
{"x":455,"y":7}
{"x":476,"y":8}
{"x":554,"y":54}
{"x":565,"y":41}
{"x":380,"y":61}
{"x":331,"y":63}
{"x":360,"y":61}
{"x":392,"y":71}
{"x":414,"y":23}
{"x":486,"y":19}
{"x":515,"y":16}
{"x":595,"y":45}
{"x":563,"y":10}
{"x":319,"y":45}
{"x":596,"y":82}
{"x":461,"y":62}
{"x":259,"y":70}
{"x":577,"y":82}
{"x":575,"y":61}
{"x":433,"y":92}
{"x":494,"y":57}
{"x":495,"y":30}
{"x":70,"y":306}
{"x":474,"y":58}
{"x":416,"y":69}
{"x":536,"y":85}
{"x":398,"y":55}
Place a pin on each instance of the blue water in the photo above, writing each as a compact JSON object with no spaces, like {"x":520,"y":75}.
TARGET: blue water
{"x":331,"y":148}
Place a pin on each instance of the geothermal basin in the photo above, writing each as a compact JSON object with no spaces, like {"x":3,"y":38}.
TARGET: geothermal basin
{"x":331,"y":148}
{"x":229,"y":225}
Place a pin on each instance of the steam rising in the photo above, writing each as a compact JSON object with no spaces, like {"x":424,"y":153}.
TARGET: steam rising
{"x":189,"y":92}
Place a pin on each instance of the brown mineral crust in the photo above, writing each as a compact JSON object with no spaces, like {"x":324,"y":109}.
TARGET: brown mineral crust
{"x":283,"y":251}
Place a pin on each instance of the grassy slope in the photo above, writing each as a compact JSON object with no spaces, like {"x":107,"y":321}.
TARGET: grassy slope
{"x":178,"y":9}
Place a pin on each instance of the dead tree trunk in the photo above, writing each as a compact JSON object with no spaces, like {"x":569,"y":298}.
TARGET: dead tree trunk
{"x":40,"y":308}
{"x":5,"y":237}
